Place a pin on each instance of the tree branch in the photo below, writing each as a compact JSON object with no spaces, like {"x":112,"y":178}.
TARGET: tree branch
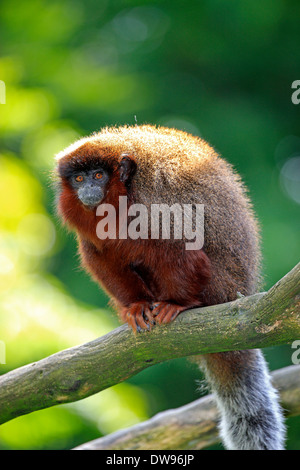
{"x":257,"y":321}
{"x":193,"y":426}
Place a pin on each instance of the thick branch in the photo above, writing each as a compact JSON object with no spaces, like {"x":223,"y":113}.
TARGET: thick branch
{"x":193,"y":426}
{"x":261,"y":320}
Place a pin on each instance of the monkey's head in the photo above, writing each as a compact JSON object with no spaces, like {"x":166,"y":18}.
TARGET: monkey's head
{"x":149,"y":165}
{"x":90,"y":174}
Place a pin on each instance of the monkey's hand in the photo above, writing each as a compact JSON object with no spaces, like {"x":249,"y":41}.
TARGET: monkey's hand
{"x":164,"y":312}
{"x":143,"y":315}
{"x":138,"y":315}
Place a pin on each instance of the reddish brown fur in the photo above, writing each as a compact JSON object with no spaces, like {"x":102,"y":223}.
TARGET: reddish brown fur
{"x":182,"y":274}
{"x":229,"y":367}
{"x":157,"y":279}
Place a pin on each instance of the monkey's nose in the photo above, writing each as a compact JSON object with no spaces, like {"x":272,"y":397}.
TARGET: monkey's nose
{"x":90,"y":196}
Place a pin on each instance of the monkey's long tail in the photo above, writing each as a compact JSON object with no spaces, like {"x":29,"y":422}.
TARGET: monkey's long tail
{"x":251,"y":417}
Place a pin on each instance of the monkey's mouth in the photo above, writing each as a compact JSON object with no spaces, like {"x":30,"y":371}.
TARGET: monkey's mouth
{"x":89,"y":205}
{"x":90,"y":199}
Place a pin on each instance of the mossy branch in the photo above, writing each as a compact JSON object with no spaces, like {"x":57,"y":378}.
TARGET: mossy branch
{"x":257,"y":321}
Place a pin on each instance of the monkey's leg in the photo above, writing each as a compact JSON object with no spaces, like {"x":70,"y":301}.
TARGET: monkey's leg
{"x":251,"y":417}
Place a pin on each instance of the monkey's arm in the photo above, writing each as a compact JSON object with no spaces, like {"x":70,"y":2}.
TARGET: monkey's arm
{"x":155,"y":287}
{"x":126,"y":283}
{"x":119,"y":278}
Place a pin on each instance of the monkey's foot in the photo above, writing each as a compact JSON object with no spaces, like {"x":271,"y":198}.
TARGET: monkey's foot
{"x":138,"y":316}
{"x":164,"y":312}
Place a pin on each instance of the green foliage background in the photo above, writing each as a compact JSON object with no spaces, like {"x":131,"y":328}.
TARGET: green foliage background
{"x":221,"y":70}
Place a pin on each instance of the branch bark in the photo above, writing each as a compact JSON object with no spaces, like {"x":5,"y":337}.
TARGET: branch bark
{"x":257,"y":321}
{"x":193,"y":426}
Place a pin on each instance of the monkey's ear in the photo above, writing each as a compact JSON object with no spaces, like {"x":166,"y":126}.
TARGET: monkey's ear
{"x":127,"y":168}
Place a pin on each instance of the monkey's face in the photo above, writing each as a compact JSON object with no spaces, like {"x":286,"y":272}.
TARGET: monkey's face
{"x":90,"y":186}
{"x":88,"y":181}
{"x":90,"y":175}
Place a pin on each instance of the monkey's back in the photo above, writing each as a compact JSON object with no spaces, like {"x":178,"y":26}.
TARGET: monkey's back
{"x":175,"y":167}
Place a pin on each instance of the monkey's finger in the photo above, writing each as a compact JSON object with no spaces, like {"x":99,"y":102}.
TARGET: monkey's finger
{"x":168,"y":313}
{"x":147,"y":315}
{"x":130,"y":319}
{"x":162,"y":313}
{"x":157,"y":308}
{"x":139,"y":318}
{"x":171,"y":315}
{"x":154,"y":306}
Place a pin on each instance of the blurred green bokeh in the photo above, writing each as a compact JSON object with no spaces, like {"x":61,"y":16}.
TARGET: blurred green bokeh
{"x":221,"y":70}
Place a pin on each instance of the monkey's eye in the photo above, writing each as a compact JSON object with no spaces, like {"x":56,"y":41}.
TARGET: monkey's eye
{"x":79,"y":178}
{"x":98,"y":176}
